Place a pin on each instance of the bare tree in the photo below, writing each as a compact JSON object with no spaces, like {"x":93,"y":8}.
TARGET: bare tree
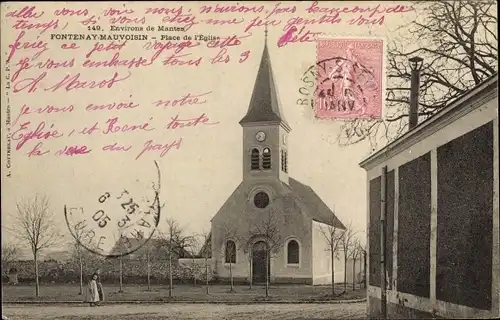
{"x":269,"y":229}
{"x":121,"y":273}
{"x":149,"y":255}
{"x":146,"y":254}
{"x":458,"y":41}
{"x":205,"y":252}
{"x":122,"y":250}
{"x":356,"y":253}
{"x":333,"y":237}
{"x":249,"y":254}
{"x":229,"y":235}
{"x":78,"y":253}
{"x":148,"y":263}
{"x":35,"y":225}
{"x":195,"y":245}
{"x":79,"y":235}
{"x":346,"y":244}
{"x":248,"y":250}
{"x":85,"y":259}
{"x":156,"y":204}
{"x":10,"y":253}
{"x":364,"y":257}
{"x":176,"y":243}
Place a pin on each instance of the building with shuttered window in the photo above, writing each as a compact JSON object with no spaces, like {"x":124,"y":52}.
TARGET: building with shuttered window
{"x":440,"y":182}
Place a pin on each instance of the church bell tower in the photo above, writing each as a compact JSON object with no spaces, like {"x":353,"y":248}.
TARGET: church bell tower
{"x":265,"y":130}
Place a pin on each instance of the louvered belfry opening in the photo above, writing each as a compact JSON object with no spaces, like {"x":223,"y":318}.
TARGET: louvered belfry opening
{"x":255,"y":159}
{"x":283,"y":160}
{"x":266,"y":158}
{"x":285,"y":153}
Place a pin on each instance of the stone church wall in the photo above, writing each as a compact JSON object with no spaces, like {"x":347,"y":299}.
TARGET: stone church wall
{"x":293,"y":225}
{"x":321,"y":258}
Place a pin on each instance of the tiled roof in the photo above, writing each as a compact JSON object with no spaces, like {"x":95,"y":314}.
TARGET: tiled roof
{"x":296,"y":196}
{"x":316,"y":208}
{"x":206,"y":246}
{"x":121,"y":248}
{"x":264,"y":104}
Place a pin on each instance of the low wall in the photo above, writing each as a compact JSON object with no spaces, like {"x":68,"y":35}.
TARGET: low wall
{"x":199,"y":266}
{"x":134,"y":271}
{"x":354,"y":272}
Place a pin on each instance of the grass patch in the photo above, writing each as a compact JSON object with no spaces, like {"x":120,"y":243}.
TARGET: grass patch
{"x":53,"y":292}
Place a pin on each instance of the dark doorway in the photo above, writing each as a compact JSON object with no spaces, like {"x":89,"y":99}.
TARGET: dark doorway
{"x":259,"y":263}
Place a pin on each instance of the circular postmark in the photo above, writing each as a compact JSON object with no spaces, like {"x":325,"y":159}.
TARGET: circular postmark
{"x":118,"y":221}
{"x":322,"y":85}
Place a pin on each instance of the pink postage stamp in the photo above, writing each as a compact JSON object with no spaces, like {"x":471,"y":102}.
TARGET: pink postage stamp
{"x":349,"y":82}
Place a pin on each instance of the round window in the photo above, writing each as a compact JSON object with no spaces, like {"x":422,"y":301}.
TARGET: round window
{"x":261,"y":200}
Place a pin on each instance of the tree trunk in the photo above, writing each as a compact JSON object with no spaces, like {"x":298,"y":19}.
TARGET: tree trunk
{"x":37,"y":281}
{"x":194,"y":272}
{"x":267,"y":273}
{"x":206,"y":274}
{"x":148,"y":268}
{"x":231,"y":276}
{"x":364,"y":269}
{"x":121,"y":274}
{"x":345,"y":273}
{"x":81,"y":274}
{"x":170,"y":271}
{"x":353,"y":274}
{"x":251,"y":272}
{"x":333,"y":270}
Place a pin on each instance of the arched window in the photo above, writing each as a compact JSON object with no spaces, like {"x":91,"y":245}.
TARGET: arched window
{"x":255,"y":159}
{"x":230,"y":251}
{"x":292,"y":252}
{"x":261,"y":200}
{"x":266,"y":158}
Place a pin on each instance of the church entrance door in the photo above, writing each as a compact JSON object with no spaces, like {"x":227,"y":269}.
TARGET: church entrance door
{"x":259,"y":262}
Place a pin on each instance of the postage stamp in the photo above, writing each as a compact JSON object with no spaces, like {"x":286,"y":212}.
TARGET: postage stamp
{"x":118,"y":222}
{"x":349,"y":78}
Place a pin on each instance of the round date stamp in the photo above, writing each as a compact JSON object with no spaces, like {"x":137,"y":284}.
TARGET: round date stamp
{"x":119,"y":221}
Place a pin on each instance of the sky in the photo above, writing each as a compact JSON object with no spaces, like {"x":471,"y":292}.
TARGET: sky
{"x":200,"y":175}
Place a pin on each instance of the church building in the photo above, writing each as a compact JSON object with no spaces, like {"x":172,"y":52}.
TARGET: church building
{"x":270,"y":209}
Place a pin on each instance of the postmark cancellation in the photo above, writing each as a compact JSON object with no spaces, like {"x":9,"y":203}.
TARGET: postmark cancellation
{"x":349,"y":78}
{"x":119,"y":221}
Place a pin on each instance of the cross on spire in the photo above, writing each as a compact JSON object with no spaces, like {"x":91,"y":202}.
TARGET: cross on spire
{"x":265,"y":32}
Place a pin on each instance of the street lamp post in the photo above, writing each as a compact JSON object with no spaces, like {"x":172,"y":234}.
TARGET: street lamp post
{"x":416,"y":66}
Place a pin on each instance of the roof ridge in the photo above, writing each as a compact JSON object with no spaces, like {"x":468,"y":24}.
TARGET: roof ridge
{"x":265,"y":105}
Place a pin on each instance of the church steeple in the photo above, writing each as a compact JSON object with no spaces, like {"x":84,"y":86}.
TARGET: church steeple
{"x":265,"y":130}
{"x":264,"y":105}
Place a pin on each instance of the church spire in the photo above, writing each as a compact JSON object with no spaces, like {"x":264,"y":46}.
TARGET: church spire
{"x":264,"y":104}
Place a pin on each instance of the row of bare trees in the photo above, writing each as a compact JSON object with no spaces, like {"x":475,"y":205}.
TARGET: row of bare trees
{"x":34,"y":225}
{"x":342,"y":243}
{"x":174,"y":241}
{"x":339,"y":240}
